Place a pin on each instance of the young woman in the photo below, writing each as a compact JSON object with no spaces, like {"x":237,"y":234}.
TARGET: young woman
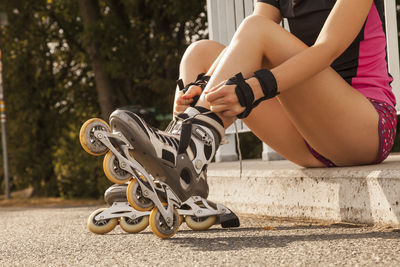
{"x":319,"y":95}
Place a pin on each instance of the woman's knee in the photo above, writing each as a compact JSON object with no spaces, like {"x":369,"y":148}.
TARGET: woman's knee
{"x":255,"y":25}
{"x":202,"y":53}
{"x":204,"y":46}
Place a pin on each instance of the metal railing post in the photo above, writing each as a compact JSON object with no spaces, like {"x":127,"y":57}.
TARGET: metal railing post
{"x":3,"y":130}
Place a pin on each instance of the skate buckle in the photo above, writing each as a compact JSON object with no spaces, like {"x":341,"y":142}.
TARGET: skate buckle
{"x":207,"y":140}
{"x":203,"y":136}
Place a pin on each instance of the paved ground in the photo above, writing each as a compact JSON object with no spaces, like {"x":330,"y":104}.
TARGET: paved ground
{"x":59,"y":237}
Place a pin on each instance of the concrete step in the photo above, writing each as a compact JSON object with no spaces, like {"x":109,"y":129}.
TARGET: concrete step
{"x":364,"y":194}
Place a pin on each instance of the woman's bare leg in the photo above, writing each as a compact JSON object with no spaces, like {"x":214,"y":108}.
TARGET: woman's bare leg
{"x":198,"y":58}
{"x":334,"y":118}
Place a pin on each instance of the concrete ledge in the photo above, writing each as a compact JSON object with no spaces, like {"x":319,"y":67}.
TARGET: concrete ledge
{"x":366,"y":194}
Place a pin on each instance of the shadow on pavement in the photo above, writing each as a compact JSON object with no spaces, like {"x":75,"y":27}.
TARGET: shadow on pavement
{"x":267,"y":240}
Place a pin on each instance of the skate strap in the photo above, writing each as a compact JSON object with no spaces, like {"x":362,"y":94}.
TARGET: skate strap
{"x":245,"y":93}
{"x":200,"y":81}
{"x":207,"y":119}
{"x":186,"y":135}
{"x":180,"y":84}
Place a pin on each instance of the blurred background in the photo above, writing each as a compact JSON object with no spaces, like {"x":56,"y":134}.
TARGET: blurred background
{"x":65,"y":61}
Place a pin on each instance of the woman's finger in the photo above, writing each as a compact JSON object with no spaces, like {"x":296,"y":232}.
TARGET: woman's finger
{"x":192,"y":91}
{"x":212,"y":96}
{"x":227,"y":105}
{"x":218,"y":108}
{"x":180,"y":109}
{"x":183,"y":101}
{"x":222,"y":91}
{"x":233,"y":112}
{"x":221,"y":101}
{"x":213,"y":89}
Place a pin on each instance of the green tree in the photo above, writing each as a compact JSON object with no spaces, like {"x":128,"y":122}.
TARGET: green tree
{"x":51,"y":82}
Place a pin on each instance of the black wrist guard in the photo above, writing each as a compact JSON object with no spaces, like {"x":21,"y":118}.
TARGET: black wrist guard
{"x":200,"y":81}
{"x":268,"y":84}
{"x":245,"y":93}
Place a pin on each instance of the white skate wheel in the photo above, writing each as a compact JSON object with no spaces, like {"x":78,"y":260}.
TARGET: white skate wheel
{"x":113,"y":171}
{"x":136,"y":199}
{"x":159,"y":227}
{"x":134,"y":225}
{"x":200,"y":223}
{"x":101,"y":226}
{"x":88,"y":141}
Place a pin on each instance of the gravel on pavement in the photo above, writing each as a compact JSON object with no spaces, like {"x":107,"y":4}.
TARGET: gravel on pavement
{"x":59,"y":237}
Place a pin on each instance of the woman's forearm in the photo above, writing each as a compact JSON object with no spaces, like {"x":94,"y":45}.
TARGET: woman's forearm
{"x":297,"y":69}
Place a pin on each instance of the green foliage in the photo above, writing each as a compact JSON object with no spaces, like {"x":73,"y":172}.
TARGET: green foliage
{"x":250,"y":146}
{"x":49,"y":85}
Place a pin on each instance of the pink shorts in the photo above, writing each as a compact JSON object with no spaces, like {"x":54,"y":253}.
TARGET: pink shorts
{"x":386,"y":129}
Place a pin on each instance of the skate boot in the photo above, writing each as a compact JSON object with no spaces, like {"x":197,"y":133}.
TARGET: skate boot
{"x":144,"y":192}
{"x":177,"y":156}
{"x":104,"y":220}
{"x":164,"y":168}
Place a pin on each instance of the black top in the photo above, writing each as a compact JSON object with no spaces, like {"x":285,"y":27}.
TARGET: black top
{"x":305,"y":18}
{"x":364,"y":63}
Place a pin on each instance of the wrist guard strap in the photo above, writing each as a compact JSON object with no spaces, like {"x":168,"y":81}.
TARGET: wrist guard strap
{"x":245,"y":93}
{"x":200,"y":81}
{"x":268,"y":84}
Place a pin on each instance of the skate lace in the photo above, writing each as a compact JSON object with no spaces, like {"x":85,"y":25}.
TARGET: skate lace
{"x":238,"y":148}
{"x":166,"y":139}
{"x":173,"y":125}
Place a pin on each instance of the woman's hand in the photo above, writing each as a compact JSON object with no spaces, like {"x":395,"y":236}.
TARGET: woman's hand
{"x":183,"y":100}
{"x":223,"y":99}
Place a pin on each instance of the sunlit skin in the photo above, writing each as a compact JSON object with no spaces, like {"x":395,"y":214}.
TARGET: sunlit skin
{"x":314,"y":104}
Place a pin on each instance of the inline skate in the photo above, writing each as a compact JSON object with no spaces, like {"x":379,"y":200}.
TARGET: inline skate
{"x":164,"y":168}
{"x":198,"y":213}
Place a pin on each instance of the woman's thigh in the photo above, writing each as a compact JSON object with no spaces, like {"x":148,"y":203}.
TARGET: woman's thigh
{"x":335,"y":119}
{"x":270,"y":122}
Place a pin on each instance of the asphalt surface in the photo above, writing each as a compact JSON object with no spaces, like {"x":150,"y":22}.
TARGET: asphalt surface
{"x":59,"y":237}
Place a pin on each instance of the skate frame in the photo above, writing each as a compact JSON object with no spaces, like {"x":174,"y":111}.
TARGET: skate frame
{"x":121,"y":209}
{"x":133,"y":167}
{"x":199,"y":212}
